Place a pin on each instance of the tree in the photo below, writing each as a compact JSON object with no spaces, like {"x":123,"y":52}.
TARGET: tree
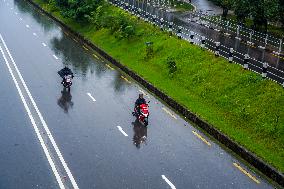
{"x":226,"y":5}
{"x":262,"y":11}
{"x":80,"y":10}
{"x":281,"y":11}
{"x":241,"y":10}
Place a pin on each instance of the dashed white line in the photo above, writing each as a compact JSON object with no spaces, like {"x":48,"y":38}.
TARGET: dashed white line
{"x":74,"y":184}
{"x":169,"y":182}
{"x":44,"y":44}
{"x":34,"y":34}
{"x":89,"y":94}
{"x":21,"y":19}
{"x":27,"y":26}
{"x":122,"y":131}
{"x":55,"y":57}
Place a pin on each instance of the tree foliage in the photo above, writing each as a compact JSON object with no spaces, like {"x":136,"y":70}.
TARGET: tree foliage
{"x":260,"y":11}
{"x":97,"y":13}
{"x":80,"y":10}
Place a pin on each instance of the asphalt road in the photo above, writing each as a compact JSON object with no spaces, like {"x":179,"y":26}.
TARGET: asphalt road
{"x":87,"y":138}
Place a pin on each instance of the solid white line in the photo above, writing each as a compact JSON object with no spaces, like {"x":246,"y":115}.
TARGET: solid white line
{"x":27,"y":26}
{"x":55,"y":57}
{"x":48,"y":156}
{"x":44,"y":44}
{"x":122,"y":131}
{"x":169,"y":182}
{"x":89,"y":94}
{"x":74,"y":184}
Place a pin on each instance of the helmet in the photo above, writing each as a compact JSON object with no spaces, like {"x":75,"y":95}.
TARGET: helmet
{"x":140,"y":95}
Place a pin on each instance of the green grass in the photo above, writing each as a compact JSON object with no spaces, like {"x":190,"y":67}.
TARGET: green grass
{"x":237,"y":102}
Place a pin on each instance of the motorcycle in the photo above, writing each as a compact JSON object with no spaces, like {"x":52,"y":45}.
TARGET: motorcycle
{"x":67,"y":81}
{"x":142,"y":113}
{"x":67,"y":75}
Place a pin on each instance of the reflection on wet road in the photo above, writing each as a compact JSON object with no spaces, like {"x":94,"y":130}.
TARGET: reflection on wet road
{"x":65,"y":101}
{"x":89,"y":132}
{"x":140,"y":134}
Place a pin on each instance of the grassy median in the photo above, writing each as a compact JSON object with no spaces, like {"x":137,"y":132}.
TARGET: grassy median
{"x":238,"y":102}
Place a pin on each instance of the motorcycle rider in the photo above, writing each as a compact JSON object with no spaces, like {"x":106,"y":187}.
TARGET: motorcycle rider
{"x":66,"y":73}
{"x":139,"y":101}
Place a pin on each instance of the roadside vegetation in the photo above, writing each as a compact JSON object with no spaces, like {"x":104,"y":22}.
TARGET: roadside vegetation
{"x":262,"y":15}
{"x":238,"y":102}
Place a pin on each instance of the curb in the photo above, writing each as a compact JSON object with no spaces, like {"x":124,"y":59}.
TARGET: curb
{"x":252,"y":159}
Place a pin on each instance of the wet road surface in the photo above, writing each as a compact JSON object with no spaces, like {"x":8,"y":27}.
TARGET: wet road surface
{"x":90,"y":135}
{"x":207,"y":7}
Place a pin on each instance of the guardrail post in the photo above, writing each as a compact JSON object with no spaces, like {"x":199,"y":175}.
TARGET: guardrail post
{"x":179,"y":32}
{"x":191,"y":37}
{"x":264,"y":70}
{"x":139,"y":12}
{"x":171,"y":27}
{"x":217,"y":49}
{"x":231,"y":55}
{"x":203,"y":41}
{"x":147,"y":16}
{"x":162,"y":23}
{"x":246,"y":61}
{"x":154,"y":19}
{"x":133,"y":9}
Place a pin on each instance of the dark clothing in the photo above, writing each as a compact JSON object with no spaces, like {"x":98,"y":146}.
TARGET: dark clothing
{"x":140,"y":101}
{"x":65,"y":71}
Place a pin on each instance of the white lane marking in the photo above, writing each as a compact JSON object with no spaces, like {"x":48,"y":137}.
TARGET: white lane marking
{"x":16,"y":13}
{"x":89,"y":94}
{"x":41,"y":141}
{"x":74,"y":184}
{"x":44,"y":44}
{"x":27,"y":26}
{"x":122,"y":131}
{"x":34,"y":34}
{"x":55,"y":57}
{"x":169,"y":182}
{"x":21,"y":19}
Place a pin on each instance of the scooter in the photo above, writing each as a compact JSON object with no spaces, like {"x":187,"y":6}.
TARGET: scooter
{"x":143,"y":114}
{"x":67,"y":81}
